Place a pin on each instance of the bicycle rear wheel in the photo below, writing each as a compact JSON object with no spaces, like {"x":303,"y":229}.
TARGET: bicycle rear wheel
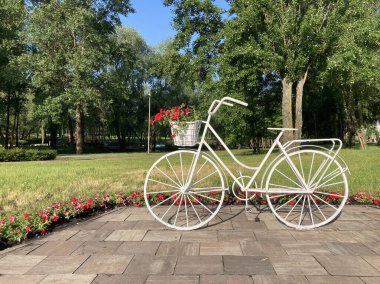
{"x":169,"y":202}
{"x":293,"y":204}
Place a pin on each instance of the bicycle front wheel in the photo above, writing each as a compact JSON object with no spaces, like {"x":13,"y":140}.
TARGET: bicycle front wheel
{"x":307,"y":207}
{"x":176,"y":206}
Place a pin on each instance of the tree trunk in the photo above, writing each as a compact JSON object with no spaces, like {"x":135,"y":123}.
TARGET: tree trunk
{"x":287,"y":119}
{"x":79,"y":129}
{"x":43,"y":133}
{"x":298,"y":114}
{"x":71,"y":131}
{"x":7,"y":121}
{"x":17,"y":128}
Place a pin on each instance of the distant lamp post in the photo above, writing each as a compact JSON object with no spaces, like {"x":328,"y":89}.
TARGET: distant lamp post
{"x":147,"y":92}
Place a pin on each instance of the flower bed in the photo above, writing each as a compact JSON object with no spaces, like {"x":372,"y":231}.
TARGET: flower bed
{"x":14,"y":229}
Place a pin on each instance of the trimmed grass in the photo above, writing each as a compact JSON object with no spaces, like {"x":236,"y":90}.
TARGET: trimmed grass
{"x":27,"y":186}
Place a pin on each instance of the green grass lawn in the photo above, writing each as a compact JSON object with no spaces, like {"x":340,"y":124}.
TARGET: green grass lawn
{"x":34,"y":185}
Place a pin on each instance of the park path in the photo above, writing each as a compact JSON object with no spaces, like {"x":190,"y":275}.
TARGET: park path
{"x":127,"y":246}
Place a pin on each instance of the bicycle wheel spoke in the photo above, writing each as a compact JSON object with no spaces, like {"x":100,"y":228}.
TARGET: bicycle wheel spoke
{"x":208,"y":197}
{"x":163,"y":183}
{"x":319,"y":170}
{"x":320,"y":211}
{"x":187,"y":218}
{"x":316,"y":185}
{"x":168,"y":176}
{"x":179,"y":206}
{"x":206,"y":189}
{"x":294,"y":206}
{"x":275,"y":196}
{"x":205,"y":177}
{"x":164,"y":201}
{"x":310,"y":211}
{"x":204,"y":206}
{"x":331,"y":194}
{"x":286,"y":202}
{"x":303,"y":205}
{"x":330,"y":184}
{"x":191,"y":166}
{"x":180,"y":156}
{"x":173,"y":170}
{"x":202,"y":166}
{"x":311,"y":168}
{"x":170,"y":207}
{"x":287,"y":177}
{"x":196,"y":213}
{"x":337,"y":170}
{"x":299,"y":158}
{"x":325,"y":202}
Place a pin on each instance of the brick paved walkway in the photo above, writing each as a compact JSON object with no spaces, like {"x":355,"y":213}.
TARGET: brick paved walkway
{"x":128,"y":246}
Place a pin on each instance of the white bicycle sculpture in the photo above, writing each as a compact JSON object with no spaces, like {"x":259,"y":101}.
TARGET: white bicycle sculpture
{"x":305,"y":185}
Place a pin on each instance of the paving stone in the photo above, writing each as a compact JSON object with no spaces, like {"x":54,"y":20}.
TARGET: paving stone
{"x":114,"y":217}
{"x":199,"y":236}
{"x":247,"y":265}
{"x":226,"y":279}
{"x":279,"y":279}
{"x":312,"y":236}
{"x":339,"y":248}
{"x":346,"y":237}
{"x":89,"y":225}
{"x":196,"y":265}
{"x":373,"y":215}
{"x":305,"y":247}
{"x":58,"y":264}
{"x":68,"y":279}
{"x":161,"y":236}
{"x":56,"y":248}
{"x":151,"y":225}
{"x":373,"y":260}
{"x":220,"y":248}
{"x":297,"y":265}
{"x":126,"y":235}
{"x":269,"y":248}
{"x":347,"y":266}
{"x":61,"y":236}
{"x":251,"y":225}
{"x":19,"y":264}
{"x":279,"y":235}
{"x":353,"y":216}
{"x":218,"y":225}
{"x":236,"y":235}
{"x":91,"y":235}
{"x":275,"y":225}
{"x":367,"y":236}
{"x":355,"y":225}
{"x":106,"y":264}
{"x":146,"y":265}
{"x":136,"y":248}
{"x":119,"y":279}
{"x":371,"y":280}
{"x":27,"y":248}
{"x":373,"y":246}
{"x":178,"y":248}
{"x":140,"y":217}
{"x":114,"y":225}
{"x":95,"y":247}
{"x":21,"y":279}
{"x":175,"y":279}
{"x":334,"y":280}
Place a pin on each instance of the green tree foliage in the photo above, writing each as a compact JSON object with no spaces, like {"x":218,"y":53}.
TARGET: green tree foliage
{"x":69,"y":40}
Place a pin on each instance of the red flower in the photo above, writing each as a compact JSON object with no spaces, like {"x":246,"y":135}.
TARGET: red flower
{"x":101,"y":204}
{"x":186,"y":111}
{"x":291,"y":202}
{"x":140,"y":205}
{"x":44,"y":218}
{"x":11,"y":219}
{"x":89,"y":200}
{"x":376,"y":201}
{"x":173,"y":136}
{"x":73,"y":199}
{"x":26,"y":216}
{"x":28,"y":229}
{"x":43,"y":232}
{"x":158,"y":117}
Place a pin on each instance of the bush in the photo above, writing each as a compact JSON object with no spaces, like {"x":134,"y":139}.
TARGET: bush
{"x":19,"y":154}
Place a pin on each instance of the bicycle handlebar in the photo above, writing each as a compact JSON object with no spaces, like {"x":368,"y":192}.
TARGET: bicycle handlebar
{"x":218,"y":103}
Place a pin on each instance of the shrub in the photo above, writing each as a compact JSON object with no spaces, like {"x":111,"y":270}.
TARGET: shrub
{"x":20,"y":154}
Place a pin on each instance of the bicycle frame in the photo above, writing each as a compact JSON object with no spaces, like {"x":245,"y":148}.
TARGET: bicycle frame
{"x":257,"y":170}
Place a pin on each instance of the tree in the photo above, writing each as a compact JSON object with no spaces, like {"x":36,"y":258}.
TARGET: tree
{"x":69,"y":40}
{"x":287,"y":38}
{"x":353,"y":70}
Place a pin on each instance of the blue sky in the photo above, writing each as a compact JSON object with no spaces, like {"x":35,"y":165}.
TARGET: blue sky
{"x":153,"y":20}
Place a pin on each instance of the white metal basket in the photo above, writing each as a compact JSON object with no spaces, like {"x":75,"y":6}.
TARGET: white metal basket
{"x":187,"y":136}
